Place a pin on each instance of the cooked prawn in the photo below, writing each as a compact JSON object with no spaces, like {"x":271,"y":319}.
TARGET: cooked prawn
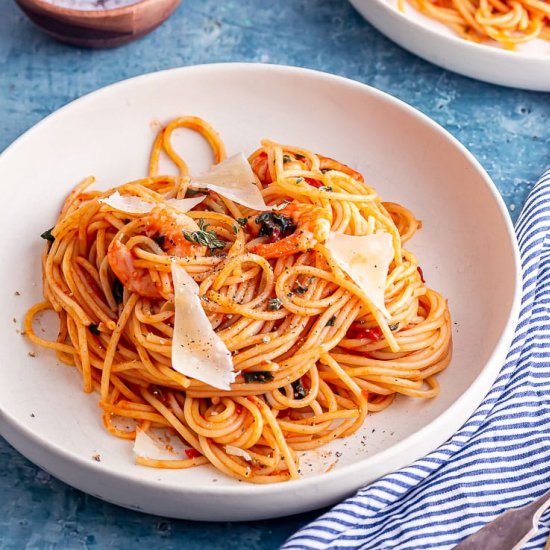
{"x":312,"y":225}
{"x":135,"y":279}
{"x":161,"y":224}
{"x":165,"y":222}
{"x":326,"y":163}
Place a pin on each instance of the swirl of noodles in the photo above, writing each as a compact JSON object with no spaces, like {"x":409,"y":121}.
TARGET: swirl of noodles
{"x":312,"y":356}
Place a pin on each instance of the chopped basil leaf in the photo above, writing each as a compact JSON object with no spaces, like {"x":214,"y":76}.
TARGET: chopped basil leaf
{"x":393,"y":327}
{"x":48,"y":235}
{"x":94,"y":329}
{"x":287,"y":158}
{"x":205,"y":237}
{"x":330,"y":322}
{"x":235,"y":229}
{"x":300,"y":289}
{"x":325,"y":188}
{"x":242,"y":221}
{"x":274,"y":304}
{"x":260,"y":376}
{"x":276,"y":225}
{"x":299,"y":390}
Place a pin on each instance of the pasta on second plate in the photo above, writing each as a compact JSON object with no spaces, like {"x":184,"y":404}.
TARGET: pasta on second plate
{"x":507,"y":22}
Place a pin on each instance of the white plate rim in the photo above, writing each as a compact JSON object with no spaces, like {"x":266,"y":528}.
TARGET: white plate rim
{"x":515,"y":59}
{"x":461,"y":409}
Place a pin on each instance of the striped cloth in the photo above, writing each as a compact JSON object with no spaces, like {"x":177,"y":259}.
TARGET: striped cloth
{"x":500,"y":459}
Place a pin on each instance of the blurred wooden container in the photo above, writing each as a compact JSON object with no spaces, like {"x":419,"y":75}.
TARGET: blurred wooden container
{"x":103,"y":28}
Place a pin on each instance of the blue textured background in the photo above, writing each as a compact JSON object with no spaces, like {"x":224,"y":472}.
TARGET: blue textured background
{"x":507,"y":130}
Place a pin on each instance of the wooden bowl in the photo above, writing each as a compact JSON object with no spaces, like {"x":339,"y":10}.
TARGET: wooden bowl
{"x":103,"y":28}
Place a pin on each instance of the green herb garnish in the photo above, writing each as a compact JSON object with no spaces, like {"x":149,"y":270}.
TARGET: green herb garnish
{"x":287,"y":158}
{"x":260,"y":376}
{"x":299,"y":390}
{"x":235,"y":229}
{"x":330,"y":322}
{"x":242,"y":221}
{"x":94,"y":329}
{"x":299,"y":180}
{"x":393,"y":327}
{"x":300,"y":289}
{"x":274,"y":304}
{"x":327,"y":188}
{"x":48,"y":235}
{"x":205,"y":237}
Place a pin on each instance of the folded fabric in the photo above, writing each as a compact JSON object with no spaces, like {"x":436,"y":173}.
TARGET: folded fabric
{"x":500,"y":459}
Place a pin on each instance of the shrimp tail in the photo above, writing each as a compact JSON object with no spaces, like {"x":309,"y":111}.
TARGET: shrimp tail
{"x":135,"y":279}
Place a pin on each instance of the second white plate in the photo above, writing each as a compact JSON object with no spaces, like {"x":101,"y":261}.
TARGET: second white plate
{"x":528,"y":67}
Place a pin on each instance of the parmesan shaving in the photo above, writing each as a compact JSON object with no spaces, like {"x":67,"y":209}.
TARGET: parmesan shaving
{"x":184,"y":205}
{"x":366,"y":260}
{"x":150,"y":447}
{"x":127,"y":203}
{"x":236,"y":451}
{"x":234,"y":179}
{"x":136,"y":205}
{"x":197,"y":351}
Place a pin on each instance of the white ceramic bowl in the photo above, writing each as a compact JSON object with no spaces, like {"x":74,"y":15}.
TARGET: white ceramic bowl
{"x":528,"y":67}
{"x":467,"y":249}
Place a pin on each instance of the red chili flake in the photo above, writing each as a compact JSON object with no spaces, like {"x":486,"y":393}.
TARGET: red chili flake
{"x":373,"y":334}
{"x":314,"y":183}
{"x":238,"y":409}
{"x":192,"y":453}
{"x":359,"y":333}
{"x":421,"y":274}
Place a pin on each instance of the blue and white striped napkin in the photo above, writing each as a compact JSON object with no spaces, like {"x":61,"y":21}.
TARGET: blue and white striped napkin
{"x":500,"y":459}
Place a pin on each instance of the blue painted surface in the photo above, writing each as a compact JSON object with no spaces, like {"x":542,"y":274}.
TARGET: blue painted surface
{"x":507,"y":130}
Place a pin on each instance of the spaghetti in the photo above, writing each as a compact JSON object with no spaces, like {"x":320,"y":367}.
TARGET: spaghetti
{"x":508,"y":22}
{"x":311,"y":354}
